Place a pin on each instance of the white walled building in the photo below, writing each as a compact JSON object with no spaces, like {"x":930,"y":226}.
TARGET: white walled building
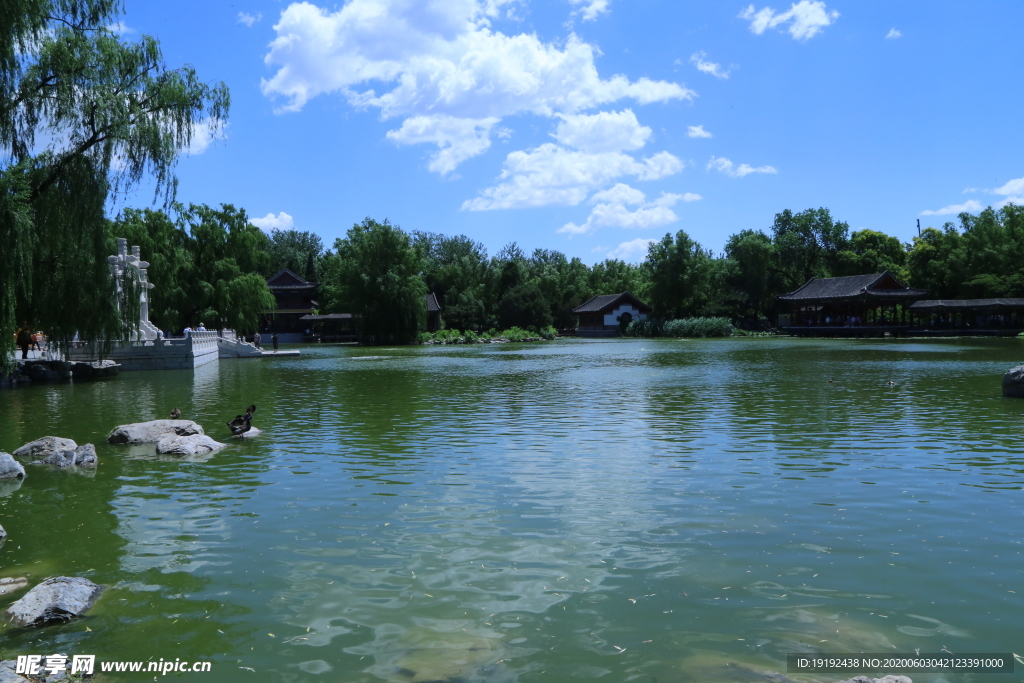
{"x":603,"y":315}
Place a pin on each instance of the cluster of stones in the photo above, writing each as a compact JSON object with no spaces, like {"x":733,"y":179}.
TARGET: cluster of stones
{"x":172,"y":437}
{"x":60,"y":599}
{"x":49,"y":450}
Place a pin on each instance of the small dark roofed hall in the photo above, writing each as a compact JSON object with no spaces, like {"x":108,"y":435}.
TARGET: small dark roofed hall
{"x":603,"y":314}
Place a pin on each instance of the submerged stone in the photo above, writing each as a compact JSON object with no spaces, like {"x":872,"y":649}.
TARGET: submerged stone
{"x":56,"y":600}
{"x":10,"y":585}
{"x":1013,"y":382}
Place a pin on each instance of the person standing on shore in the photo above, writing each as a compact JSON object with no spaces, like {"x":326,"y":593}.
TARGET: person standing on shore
{"x":273,"y":339}
{"x":188,"y":332}
{"x":24,"y":338}
{"x":256,"y":339}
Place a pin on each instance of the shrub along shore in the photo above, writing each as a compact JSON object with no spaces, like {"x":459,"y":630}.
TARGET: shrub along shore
{"x":513,"y":334}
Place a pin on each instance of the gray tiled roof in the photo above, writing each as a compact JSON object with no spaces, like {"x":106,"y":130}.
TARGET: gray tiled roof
{"x":604,"y":302}
{"x":876,"y":285}
{"x":966,"y":304}
{"x":286,"y":279}
{"x":432,"y":305}
{"x":329,"y":316}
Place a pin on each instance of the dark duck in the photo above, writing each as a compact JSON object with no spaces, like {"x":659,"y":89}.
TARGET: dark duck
{"x":242,"y":423}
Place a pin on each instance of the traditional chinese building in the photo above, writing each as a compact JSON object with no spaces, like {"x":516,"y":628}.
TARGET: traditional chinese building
{"x":857,"y":305}
{"x":295,"y":298}
{"x":982,"y":317}
{"x":607,"y":314}
{"x":433,"y":313}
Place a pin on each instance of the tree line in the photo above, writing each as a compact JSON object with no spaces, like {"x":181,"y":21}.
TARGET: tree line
{"x":381,"y":271}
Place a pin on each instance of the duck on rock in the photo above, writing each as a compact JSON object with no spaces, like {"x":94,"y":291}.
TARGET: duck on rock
{"x":242,"y":423}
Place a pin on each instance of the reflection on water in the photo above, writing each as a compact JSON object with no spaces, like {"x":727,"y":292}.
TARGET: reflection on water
{"x":648,"y":510}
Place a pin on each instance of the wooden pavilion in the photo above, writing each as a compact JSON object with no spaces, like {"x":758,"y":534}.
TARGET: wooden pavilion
{"x":982,"y":317}
{"x":852,"y":306}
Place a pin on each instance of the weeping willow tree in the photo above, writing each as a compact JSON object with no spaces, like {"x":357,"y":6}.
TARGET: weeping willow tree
{"x":83,"y":114}
{"x":377,"y":276}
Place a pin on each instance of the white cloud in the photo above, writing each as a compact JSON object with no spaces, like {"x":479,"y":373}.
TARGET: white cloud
{"x":893,"y":33}
{"x":1012,"y":187}
{"x":204,"y":133}
{"x":438,"y":63}
{"x":457,"y":139}
{"x":607,"y":131}
{"x":969,"y":206}
{"x":281,"y":221}
{"x":620,"y":193}
{"x":697,"y":59}
{"x":552,"y":175}
{"x":249,"y":19}
{"x":591,"y":8}
{"x":633,"y":250}
{"x":727,"y":167}
{"x":611,"y":210}
{"x":806,"y":18}
{"x":120,"y":28}
{"x":697,"y":132}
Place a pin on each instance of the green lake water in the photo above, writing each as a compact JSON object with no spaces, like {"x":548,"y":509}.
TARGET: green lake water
{"x":650,"y":510}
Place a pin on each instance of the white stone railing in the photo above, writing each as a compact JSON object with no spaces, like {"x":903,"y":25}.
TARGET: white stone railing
{"x":203,"y":341}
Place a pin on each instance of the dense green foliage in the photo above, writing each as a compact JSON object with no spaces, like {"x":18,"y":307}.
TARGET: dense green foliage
{"x":696,"y":293}
{"x":208,"y":265}
{"x":513,"y":334}
{"x":684,"y":327}
{"x":82,"y":113}
{"x":375,"y":271}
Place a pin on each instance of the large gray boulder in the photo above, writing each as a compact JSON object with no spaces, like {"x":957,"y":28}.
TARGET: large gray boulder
{"x":195,"y":444}
{"x":1013,"y":382}
{"x":153,"y":431}
{"x":9,"y":467}
{"x":83,"y":456}
{"x":8,"y":667}
{"x":40,"y":449}
{"x":56,"y":600}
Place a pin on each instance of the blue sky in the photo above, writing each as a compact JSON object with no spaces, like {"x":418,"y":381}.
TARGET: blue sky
{"x":592,"y":126}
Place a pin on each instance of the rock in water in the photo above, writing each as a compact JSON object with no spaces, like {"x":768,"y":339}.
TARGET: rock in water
{"x":1013,"y":382}
{"x":40,"y":449}
{"x":11,"y":585}
{"x":9,"y":467}
{"x":153,"y":431}
{"x":195,"y":444}
{"x":57,"y":599}
{"x":83,"y":456}
{"x":3,"y":537}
